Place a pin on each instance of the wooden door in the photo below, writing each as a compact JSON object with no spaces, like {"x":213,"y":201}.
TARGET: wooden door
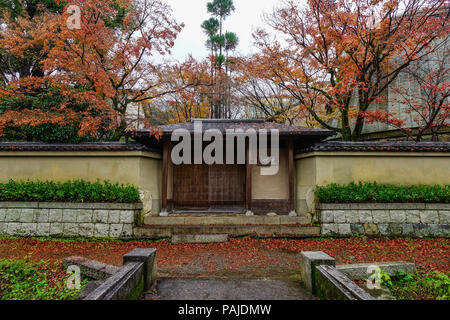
{"x":203,"y":187}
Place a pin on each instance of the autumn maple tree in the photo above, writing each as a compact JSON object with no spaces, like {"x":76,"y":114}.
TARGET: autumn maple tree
{"x":338,"y":57}
{"x":98,"y":70}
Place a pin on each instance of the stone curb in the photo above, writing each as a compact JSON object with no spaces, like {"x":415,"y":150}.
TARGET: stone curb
{"x":64,"y":205}
{"x":383,"y":206}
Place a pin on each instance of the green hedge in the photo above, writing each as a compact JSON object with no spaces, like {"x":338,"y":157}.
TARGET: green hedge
{"x":373,"y":192}
{"x":71,"y":191}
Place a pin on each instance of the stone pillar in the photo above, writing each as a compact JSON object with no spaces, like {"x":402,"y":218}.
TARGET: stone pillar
{"x":311,"y":259}
{"x":148,"y":257}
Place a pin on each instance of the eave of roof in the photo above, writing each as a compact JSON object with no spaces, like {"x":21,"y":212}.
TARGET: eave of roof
{"x":370,"y":146}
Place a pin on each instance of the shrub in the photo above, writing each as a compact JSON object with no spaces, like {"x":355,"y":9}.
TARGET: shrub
{"x":70,"y":191}
{"x":373,"y":192}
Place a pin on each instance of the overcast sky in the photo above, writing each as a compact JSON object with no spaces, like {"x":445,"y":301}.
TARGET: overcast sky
{"x":243,"y":21}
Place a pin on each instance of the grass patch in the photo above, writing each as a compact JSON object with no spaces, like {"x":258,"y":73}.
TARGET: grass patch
{"x":77,"y":191}
{"x":24,"y":280}
{"x":421,"y":286}
{"x":377,"y":193}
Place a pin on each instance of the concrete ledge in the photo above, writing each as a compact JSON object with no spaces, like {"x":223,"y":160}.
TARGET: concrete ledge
{"x":331,"y":284}
{"x":199,"y":238}
{"x":91,"y":268}
{"x":359,"y":271}
{"x":67,"y":205}
{"x":136,"y":276}
{"x":121,"y":285}
{"x":383,"y":206}
{"x":309,"y":261}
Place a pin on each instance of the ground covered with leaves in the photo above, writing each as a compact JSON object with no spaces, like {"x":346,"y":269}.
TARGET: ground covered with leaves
{"x":251,"y":258}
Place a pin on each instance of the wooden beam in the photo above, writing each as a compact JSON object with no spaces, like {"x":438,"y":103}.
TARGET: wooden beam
{"x":291,"y":175}
{"x":165,"y":177}
{"x":248,"y":180}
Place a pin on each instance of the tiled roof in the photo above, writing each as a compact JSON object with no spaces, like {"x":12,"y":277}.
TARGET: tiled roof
{"x":97,"y":146}
{"x":224,"y":125}
{"x":392,"y":146}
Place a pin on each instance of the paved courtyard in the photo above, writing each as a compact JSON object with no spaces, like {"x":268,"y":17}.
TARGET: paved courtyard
{"x":228,"y":289}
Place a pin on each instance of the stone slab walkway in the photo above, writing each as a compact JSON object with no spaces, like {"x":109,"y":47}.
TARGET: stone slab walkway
{"x":228,"y":289}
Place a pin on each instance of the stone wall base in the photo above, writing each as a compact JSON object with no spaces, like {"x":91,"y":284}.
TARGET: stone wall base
{"x":412,"y":220}
{"x":67,"y":220}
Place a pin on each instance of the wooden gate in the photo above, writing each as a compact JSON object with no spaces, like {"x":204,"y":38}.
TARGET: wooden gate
{"x":203,"y":187}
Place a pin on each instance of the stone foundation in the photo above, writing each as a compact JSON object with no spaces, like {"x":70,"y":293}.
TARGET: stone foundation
{"x":87,"y":220}
{"x":396,"y":219}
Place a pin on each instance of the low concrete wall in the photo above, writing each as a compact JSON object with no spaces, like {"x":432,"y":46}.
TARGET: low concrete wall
{"x":68,"y":219}
{"x":396,"y":219}
{"x":324,"y":280}
{"x":400,"y":168}
{"x":137,"y":275}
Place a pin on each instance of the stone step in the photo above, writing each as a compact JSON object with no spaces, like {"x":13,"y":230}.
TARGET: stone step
{"x":203,"y":220}
{"x":199,"y":238}
{"x":280,"y":231}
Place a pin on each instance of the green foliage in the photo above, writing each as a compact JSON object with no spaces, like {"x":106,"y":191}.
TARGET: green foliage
{"x":70,"y":191}
{"x":373,"y":192}
{"x":426,"y":286}
{"x":24,"y":280}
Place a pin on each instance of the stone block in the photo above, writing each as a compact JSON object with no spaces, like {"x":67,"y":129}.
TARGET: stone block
{"x":115,"y":230}
{"x":359,"y":271}
{"x":407,"y":229}
{"x":3,"y":228}
{"x":381,"y":216}
{"x":444,"y":217}
{"x":55,"y":215}
{"x":371,"y":229}
{"x":127,"y":231}
{"x":434,"y":230}
{"x":413,"y":216}
{"x":395,"y":229}
{"x":397,"y":216}
{"x":12,"y":215}
{"x":56,"y":229}
{"x":126,"y":216}
{"x":71,"y":230}
{"x":86,"y":230}
{"x":329,"y":229}
{"x":357,"y":229}
{"x":101,"y":230}
{"x":70,"y":215}
{"x":101,"y":216}
{"x":365,"y":216}
{"x":2,"y":214}
{"x":43,"y":229}
{"x":384,"y":229}
{"x":421,"y":230}
{"x":27,"y":229}
{"x":351,"y":216}
{"x":344,"y":229}
{"x":445,"y":230}
{"x":85,"y":216}
{"x":148,"y":257}
{"x":13,"y":228}
{"x":429,"y":217}
{"x":339,"y":217}
{"x":114,"y":216}
{"x":199,"y":238}
{"x":26,"y":215}
{"x":309,"y":261}
{"x":41,"y":215}
{"x":327,"y":216}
